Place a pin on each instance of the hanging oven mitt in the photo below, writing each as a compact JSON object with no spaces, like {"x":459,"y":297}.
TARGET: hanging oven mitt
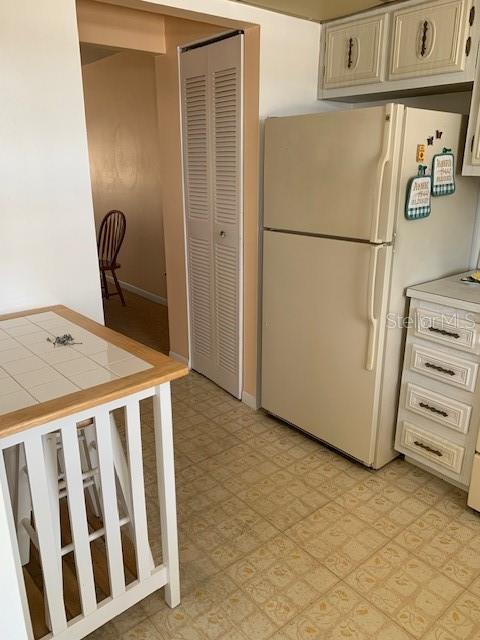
{"x":419,"y":195}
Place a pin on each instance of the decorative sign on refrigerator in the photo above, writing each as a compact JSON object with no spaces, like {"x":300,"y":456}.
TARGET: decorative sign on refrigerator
{"x":443,"y":173}
{"x":418,"y":200}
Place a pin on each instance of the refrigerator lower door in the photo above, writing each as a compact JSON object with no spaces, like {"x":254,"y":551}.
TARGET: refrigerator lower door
{"x":323,"y":304}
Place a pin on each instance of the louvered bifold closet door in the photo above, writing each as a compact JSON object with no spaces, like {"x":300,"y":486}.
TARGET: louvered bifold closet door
{"x":215,"y":274}
{"x":198,"y":206}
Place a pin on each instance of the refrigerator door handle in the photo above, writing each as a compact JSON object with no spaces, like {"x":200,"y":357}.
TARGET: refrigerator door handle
{"x":372,"y":317}
{"x":382,"y":164}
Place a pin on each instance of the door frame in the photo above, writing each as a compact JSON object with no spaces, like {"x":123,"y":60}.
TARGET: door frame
{"x":180,"y":49}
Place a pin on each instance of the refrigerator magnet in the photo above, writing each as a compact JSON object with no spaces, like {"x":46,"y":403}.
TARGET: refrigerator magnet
{"x":419,"y":195}
{"x":443,"y":173}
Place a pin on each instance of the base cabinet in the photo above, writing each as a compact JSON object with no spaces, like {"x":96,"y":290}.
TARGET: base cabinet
{"x":474,"y":489}
{"x":439,"y":411}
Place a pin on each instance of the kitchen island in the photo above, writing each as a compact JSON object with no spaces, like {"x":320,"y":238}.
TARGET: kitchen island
{"x":70,"y":480}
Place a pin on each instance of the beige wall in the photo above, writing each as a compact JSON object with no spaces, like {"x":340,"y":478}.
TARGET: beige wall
{"x":120,"y":27}
{"x":125,"y":160}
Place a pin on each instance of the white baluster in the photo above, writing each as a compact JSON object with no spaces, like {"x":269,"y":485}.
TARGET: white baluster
{"x":15,"y":618}
{"x":139,"y":510}
{"x":124,"y":479}
{"x":78,"y":517}
{"x":46,"y":525}
{"x":162,"y":408}
{"x":89,"y":458}
{"x":110,"y":506}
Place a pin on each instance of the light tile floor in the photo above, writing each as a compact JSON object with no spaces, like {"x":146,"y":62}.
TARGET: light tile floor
{"x":282,"y":538}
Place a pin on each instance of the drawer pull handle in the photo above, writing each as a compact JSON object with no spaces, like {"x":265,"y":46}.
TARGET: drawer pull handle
{"x":424,"y":405}
{"x":422,"y":445}
{"x":449,"y":372}
{"x":444,"y":333}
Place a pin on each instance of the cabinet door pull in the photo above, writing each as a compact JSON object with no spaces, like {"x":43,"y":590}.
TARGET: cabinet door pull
{"x":422,"y":445}
{"x":442,"y":332}
{"x":468,"y":46}
{"x":350,"y":53}
{"x":430,"y":365}
{"x":424,"y":405}
{"x":471,"y":17}
{"x":423,"y":48}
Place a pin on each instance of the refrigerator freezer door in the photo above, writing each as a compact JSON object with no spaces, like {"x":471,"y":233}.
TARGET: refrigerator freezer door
{"x":331,"y":173}
{"x":322,"y":333}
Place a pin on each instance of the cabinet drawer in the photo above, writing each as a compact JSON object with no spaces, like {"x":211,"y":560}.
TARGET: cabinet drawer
{"x":426,"y":447}
{"x":442,"y":366}
{"x":354,"y":52}
{"x":429,"y":38}
{"x":447,"y":328}
{"x":437,"y":407}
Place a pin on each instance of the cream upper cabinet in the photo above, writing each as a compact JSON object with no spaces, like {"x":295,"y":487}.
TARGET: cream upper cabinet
{"x":429,"y":38}
{"x":471,"y":158}
{"x":399,"y":47}
{"x":355,"y":52}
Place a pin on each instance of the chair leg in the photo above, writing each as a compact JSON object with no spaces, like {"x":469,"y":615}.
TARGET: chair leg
{"x":117,"y":286}
{"x":105,"y":284}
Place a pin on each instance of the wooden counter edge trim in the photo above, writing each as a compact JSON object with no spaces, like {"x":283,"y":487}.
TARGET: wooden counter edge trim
{"x":164,"y":369}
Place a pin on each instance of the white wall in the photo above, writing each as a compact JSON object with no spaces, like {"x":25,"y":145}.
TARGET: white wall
{"x":47,"y":236}
{"x":289,"y":49}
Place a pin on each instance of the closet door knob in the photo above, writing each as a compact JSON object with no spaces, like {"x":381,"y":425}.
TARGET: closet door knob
{"x":223,"y":234}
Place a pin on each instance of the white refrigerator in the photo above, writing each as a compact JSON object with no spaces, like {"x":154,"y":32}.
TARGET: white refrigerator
{"x":338,"y":254}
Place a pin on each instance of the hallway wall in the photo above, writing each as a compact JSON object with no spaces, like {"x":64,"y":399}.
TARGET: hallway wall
{"x":125,"y":161}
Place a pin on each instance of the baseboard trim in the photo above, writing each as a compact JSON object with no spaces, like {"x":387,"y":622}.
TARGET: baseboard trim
{"x":178,"y":357}
{"x":141,"y":292}
{"x":250,"y":401}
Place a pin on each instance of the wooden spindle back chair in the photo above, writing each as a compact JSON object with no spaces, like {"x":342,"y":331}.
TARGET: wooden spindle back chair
{"x":110,"y":239}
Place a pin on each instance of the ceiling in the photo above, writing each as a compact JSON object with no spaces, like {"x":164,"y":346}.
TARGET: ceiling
{"x":316,"y":9}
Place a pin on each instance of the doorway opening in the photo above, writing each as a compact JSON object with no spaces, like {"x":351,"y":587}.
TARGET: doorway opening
{"x":126,"y":174}
{"x":132,"y":89}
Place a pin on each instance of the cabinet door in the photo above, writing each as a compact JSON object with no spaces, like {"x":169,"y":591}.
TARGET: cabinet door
{"x":471,"y":159}
{"x":354,"y":52}
{"x":429,"y":39}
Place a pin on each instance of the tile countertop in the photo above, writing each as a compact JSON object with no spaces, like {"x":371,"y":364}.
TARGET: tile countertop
{"x":450,"y":292}
{"x":40,"y":382}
